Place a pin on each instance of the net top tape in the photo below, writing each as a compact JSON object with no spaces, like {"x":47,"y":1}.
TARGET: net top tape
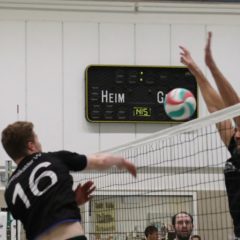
{"x":213,"y":118}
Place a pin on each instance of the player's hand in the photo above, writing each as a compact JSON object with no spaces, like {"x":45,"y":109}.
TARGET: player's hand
{"x":83,"y":192}
{"x":130,"y":167}
{"x":187,"y":60}
{"x":208,"y":52}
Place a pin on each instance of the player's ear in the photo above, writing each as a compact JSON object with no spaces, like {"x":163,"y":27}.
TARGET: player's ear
{"x":30,"y":146}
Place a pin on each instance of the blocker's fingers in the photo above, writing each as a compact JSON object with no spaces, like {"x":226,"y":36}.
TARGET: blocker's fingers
{"x":92,"y":189}
{"x":87,"y":185}
{"x":78,"y":186}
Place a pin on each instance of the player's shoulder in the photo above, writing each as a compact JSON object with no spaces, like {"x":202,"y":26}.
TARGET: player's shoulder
{"x":60,"y":153}
{"x":57,"y":158}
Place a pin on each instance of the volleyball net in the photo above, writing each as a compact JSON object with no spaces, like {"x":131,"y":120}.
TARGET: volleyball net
{"x":179,"y":169}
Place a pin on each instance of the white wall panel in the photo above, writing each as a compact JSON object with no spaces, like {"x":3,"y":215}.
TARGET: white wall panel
{"x":152,"y":48}
{"x":80,"y":50}
{"x":193,"y":37}
{"x":153,"y":44}
{"x":117,"y":43}
{"x":44,"y":82}
{"x":116,"y":47}
{"x":12,"y":72}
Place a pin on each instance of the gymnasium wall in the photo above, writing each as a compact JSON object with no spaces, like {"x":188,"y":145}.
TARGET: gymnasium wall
{"x":43,"y":55}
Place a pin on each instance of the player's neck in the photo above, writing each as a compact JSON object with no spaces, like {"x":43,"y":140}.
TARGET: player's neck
{"x":29,"y":152}
{"x":17,"y":161}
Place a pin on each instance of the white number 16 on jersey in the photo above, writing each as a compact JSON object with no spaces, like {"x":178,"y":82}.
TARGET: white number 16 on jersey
{"x":33,"y":184}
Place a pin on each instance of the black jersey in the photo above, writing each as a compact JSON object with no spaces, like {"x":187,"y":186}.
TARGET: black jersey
{"x":232,"y":181}
{"x":39,"y":192}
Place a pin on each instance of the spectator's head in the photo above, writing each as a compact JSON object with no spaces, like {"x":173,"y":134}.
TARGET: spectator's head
{"x":183,"y":225}
{"x":195,"y":237}
{"x":151,"y":233}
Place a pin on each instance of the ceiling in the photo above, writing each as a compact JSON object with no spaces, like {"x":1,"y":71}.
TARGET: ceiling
{"x":179,"y":1}
{"x":129,"y":1}
{"x":190,"y":6}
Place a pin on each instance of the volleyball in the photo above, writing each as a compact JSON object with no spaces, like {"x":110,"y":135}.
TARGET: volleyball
{"x":179,"y":104}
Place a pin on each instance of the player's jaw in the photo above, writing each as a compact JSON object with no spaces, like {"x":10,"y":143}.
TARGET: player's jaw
{"x":183,"y":236}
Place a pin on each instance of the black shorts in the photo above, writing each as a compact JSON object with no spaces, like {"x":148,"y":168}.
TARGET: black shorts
{"x":81,"y":237}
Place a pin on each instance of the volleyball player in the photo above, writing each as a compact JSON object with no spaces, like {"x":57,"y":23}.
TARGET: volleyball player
{"x":230,"y":133}
{"x":39,"y":192}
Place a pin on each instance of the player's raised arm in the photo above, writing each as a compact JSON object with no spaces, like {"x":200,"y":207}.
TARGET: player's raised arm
{"x":211,"y":97}
{"x":226,"y":90}
{"x":103,"y":161}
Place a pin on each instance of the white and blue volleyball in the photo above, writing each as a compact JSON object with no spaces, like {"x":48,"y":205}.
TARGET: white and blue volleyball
{"x":180,"y":104}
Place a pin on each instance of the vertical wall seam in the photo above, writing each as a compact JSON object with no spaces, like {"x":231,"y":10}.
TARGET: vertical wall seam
{"x":63,"y":86}
{"x":26,"y":71}
{"x":170,"y":44}
{"x":170,"y":52}
{"x":135,"y":62}
{"x":99,"y":52}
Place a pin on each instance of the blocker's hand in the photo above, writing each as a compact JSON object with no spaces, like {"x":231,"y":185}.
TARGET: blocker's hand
{"x":187,"y":60}
{"x":83,"y":192}
{"x":208,"y":52}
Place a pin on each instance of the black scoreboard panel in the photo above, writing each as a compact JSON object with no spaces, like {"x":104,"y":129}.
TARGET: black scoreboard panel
{"x":133,"y":93}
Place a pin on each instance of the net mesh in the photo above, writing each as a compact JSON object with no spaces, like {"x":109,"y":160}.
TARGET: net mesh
{"x":179,"y":169}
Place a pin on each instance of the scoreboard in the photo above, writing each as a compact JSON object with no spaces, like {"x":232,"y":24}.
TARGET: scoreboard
{"x":133,"y":93}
